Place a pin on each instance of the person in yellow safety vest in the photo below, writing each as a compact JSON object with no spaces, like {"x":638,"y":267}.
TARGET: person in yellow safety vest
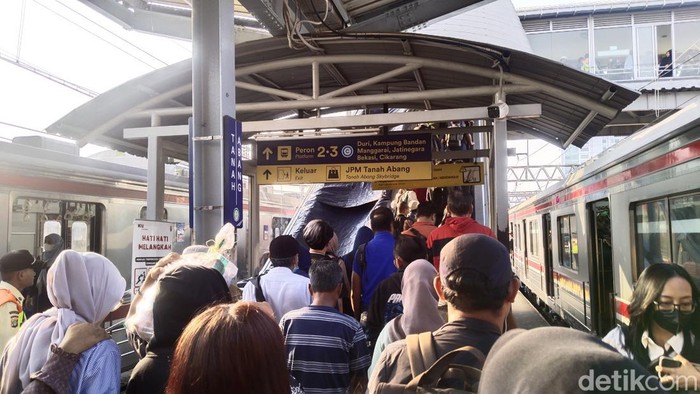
{"x":17,"y":270}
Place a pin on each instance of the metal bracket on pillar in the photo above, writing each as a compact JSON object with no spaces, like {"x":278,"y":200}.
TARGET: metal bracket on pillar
{"x":208,"y":207}
{"x":208,"y":138}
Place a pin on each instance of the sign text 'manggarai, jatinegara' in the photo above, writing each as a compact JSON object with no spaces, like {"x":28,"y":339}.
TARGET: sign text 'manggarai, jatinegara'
{"x":379,"y":149}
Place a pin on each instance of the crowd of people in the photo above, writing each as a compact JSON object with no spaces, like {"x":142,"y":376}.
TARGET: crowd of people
{"x":429,"y":305}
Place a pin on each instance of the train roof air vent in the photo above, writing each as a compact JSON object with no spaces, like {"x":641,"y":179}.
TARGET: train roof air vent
{"x":38,"y":141}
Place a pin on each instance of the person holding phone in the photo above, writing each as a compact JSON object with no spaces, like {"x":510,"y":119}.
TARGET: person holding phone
{"x":664,"y":318}
{"x":679,"y":371}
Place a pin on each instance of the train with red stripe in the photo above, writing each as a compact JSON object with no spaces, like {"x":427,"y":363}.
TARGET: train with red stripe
{"x":580,"y":246}
{"x":46,"y":186}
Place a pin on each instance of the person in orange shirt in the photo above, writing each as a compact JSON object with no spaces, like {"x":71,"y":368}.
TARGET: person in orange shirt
{"x":425,"y":221}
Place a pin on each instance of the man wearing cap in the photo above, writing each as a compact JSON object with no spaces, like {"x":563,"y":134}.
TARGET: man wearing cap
{"x":17,"y":269}
{"x":283,"y":289}
{"x":478,"y":285}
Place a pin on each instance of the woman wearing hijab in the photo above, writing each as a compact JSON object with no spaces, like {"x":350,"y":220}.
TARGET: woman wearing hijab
{"x":420,"y":308}
{"x":83,"y":287}
{"x":181,"y":295}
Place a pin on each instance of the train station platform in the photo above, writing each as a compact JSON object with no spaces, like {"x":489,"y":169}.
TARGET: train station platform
{"x":526,"y":316}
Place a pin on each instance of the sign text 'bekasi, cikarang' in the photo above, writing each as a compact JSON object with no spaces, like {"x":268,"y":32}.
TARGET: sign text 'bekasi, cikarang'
{"x":404,"y":148}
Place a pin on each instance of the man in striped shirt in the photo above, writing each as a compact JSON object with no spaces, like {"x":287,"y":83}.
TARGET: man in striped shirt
{"x":327,"y":350}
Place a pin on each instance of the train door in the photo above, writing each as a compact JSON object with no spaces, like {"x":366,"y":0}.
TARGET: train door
{"x":548,"y":257}
{"x":601,"y":267}
{"x":523,"y":249}
{"x":79,"y":224}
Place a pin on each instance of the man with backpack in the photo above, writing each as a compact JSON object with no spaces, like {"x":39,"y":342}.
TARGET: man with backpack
{"x":460,"y":206}
{"x":479,"y":286}
{"x":374,"y":261}
{"x":387,"y":301}
{"x":425,"y":222}
{"x":283,"y":289}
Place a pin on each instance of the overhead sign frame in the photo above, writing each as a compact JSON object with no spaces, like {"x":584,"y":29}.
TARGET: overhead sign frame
{"x":444,"y":175}
{"x":358,"y":159}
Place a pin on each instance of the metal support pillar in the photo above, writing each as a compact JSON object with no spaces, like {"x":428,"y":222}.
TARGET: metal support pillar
{"x":213,"y":96}
{"x":253,"y":225}
{"x":481,"y":192}
{"x":499,"y":157}
{"x":156,"y":176}
{"x":156,"y":180}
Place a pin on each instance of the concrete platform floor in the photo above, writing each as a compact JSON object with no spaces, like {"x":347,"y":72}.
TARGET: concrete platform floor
{"x":526,"y":316}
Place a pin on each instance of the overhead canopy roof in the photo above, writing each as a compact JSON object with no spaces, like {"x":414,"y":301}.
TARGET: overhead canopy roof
{"x":172,"y":17}
{"x":360,"y":72}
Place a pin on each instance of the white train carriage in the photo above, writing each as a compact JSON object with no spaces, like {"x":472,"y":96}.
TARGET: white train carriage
{"x":580,"y":246}
{"x":45,"y":186}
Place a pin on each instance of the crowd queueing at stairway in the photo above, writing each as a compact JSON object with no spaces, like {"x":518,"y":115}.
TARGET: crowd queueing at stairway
{"x":422,"y":302}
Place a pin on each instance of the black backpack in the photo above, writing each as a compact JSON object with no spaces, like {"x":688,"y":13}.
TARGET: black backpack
{"x":259,"y":296}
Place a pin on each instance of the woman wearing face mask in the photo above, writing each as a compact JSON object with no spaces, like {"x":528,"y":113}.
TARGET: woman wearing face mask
{"x":664,"y":318}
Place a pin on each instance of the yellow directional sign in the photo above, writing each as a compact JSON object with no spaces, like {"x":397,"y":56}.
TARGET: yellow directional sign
{"x":453,"y":174}
{"x":341,"y":172}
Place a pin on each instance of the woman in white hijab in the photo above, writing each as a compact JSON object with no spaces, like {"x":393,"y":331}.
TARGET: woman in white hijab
{"x":420,"y":308}
{"x":82,"y":287}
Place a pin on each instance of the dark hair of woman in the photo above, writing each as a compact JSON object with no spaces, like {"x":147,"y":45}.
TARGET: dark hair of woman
{"x":317,"y":234}
{"x":230,"y":348}
{"x":648,"y":289}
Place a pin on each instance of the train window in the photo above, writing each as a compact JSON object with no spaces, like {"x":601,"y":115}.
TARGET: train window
{"x":652,"y":234}
{"x":568,"y":242}
{"x":685,"y":233}
{"x":534,"y":236}
{"x":279,"y":224}
{"x":51,"y":227}
{"x":79,"y":236}
{"x":78,"y":223}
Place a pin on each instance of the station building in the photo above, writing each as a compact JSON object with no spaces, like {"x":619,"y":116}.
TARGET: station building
{"x":626,"y":42}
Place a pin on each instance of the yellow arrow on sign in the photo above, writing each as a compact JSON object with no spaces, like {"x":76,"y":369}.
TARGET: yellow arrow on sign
{"x":343,"y":172}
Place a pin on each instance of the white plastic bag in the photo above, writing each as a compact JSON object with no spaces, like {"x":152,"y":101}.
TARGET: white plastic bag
{"x":220,"y":256}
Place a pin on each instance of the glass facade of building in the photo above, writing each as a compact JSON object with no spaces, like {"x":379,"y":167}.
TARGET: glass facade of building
{"x":631,"y":46}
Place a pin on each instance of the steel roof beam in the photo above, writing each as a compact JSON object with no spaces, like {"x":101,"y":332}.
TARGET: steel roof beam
{"x":523,"y":110}
{"x":387,"y":98}
{"x":420,"y":83}
{"x":370,"y":81}
{"x":271,"y":91}
{"x":89,"y":137}
{"x":587,"y":103}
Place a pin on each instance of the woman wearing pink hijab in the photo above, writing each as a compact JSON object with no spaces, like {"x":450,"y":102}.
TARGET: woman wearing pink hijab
{"x":82,"y":287}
